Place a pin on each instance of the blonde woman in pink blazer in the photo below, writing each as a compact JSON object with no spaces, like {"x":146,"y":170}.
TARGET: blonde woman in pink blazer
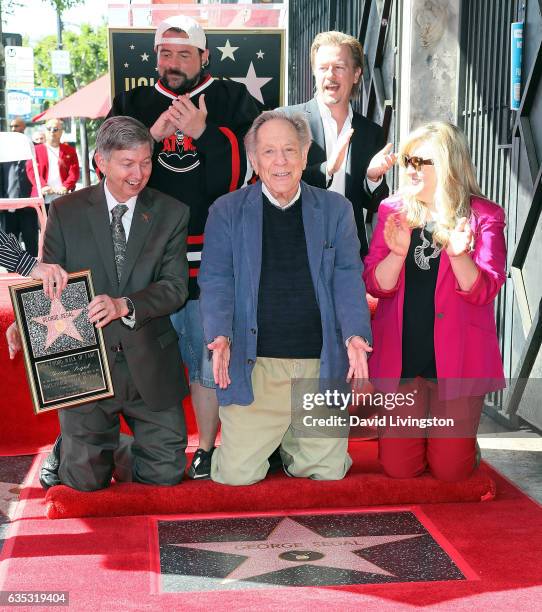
{"x":436,"y":262}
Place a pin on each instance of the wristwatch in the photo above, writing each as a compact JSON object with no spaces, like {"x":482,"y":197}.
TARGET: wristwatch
{"x":130,"y":306}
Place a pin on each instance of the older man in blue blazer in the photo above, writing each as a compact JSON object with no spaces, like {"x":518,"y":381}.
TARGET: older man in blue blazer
{"x":282,"y":299}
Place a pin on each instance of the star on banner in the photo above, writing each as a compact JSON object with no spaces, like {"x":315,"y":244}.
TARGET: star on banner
{"x":253,"y":82}
{"x":132,"y":47}
{"x":145,"y":57}
{"x":126,"y":64}
{"x":260,"y":54}
{"x":59,"y":322}
{"x":291,"y":544}
{"x":227,"y":51}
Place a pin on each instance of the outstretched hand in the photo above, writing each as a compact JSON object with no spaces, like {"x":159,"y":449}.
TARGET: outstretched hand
{"x":220,"y":347}
{"x":358,"y":371}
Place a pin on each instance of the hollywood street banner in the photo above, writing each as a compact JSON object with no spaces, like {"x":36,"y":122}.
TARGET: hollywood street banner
{"x":252,"y":57}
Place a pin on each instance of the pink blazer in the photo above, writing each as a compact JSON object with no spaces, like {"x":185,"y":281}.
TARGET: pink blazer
{"x":465,"y":336}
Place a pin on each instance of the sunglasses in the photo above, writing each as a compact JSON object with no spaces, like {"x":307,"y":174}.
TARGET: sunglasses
{"x":415,"y":162}
{"x":51,"y":129}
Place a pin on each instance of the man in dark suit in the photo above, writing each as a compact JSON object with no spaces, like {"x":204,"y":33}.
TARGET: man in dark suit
{"x":348,"y":152}
{"x":133,"y":239}
{"x":14,"y":184}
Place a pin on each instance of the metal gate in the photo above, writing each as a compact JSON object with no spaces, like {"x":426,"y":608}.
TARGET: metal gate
{"x":506,"y":147}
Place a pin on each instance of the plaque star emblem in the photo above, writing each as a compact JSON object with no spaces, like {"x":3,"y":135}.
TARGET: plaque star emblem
{"x":291,"y":544}
{"x":145,"y":57}
{"x":132,"y":47}
{"x":260,"y":54}
{"x":253,"y":82}
{"x":59,"y":322}
{"x":227,"y":51}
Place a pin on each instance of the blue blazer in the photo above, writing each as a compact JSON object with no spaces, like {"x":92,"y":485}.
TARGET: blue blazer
{"x":229,"y":279}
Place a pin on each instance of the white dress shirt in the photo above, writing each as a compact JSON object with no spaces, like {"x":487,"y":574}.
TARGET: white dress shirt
{"x":274,"y":200}
{"x":127,"y":216}
{"x":331,"y":137}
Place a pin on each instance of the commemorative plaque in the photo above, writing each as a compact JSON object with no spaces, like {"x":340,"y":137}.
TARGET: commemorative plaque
{"x":65,"y":358}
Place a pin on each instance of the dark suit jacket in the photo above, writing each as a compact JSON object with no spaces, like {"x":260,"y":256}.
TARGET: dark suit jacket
{"x":368,"y":138}
{"x":14,"y":182}
{"x":155,"y":278}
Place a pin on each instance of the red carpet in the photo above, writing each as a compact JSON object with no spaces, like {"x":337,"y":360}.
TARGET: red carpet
{"x":22,"y":431}
{"x":365,"y":485}
{"x":111,"y":563}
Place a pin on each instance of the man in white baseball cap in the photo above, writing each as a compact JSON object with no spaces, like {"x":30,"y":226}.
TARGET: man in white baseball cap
{"x":194,"y":33}
{"x":198,"y":124}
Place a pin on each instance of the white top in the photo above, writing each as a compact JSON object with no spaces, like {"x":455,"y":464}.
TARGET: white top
{"x":127,"y":216}
{"x":53,"y":176}
{"x":331,"y":136}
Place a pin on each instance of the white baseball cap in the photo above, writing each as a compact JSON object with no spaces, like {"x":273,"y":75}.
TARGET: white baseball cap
{"x":195,"y":33}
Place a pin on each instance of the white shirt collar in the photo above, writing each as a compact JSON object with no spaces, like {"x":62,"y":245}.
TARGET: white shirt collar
{"x":112,"y":201}
{"x":274,"y":200}
{"x":325,"y":113}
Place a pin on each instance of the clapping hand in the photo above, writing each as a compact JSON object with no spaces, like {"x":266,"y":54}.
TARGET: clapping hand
{"x":162,"y":127}
{"x":336,"y":158}
{"x":187,"y":117}
{"x":397,"y":234}
{"x":381,"y":163}
{"x":460,"y":240}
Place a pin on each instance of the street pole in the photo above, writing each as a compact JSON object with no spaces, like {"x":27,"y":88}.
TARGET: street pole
{"x":3,"y":109}
{"x":59,"y":46}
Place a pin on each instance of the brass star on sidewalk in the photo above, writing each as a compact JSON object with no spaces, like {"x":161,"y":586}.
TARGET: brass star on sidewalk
{"x":291,"y":544}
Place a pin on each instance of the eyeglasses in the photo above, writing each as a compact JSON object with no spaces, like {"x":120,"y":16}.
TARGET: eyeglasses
{"x":51,"y":129}
{"x":415,"y":162}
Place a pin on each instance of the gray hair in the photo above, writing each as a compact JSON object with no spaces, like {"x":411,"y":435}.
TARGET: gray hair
{"x":121,"y":133}
{"x":296,"y":120}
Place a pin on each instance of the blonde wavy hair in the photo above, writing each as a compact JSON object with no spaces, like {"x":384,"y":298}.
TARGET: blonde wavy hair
{"x":455,"y":173}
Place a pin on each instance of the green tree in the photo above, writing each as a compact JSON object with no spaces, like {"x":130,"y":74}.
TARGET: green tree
{"x":88,"y":54}
{"x":63,"y":5}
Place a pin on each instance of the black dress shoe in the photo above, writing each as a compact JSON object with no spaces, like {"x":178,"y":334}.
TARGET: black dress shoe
{"x":49,"y":469}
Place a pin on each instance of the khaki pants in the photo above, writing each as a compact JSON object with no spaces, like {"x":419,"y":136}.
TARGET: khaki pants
{"x":251,"y":433}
